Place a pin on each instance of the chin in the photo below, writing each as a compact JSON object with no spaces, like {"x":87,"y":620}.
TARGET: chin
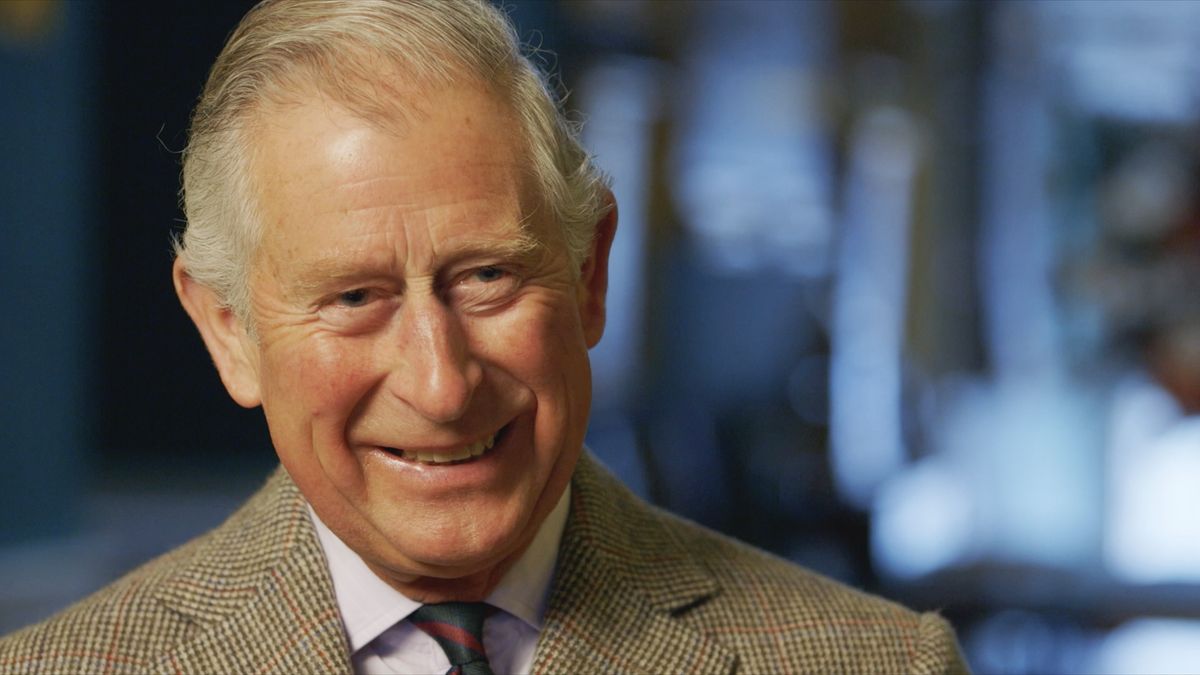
{"x":462,"y":548}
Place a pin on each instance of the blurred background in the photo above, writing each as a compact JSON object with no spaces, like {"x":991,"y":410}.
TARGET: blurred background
{"x":905,"y":292}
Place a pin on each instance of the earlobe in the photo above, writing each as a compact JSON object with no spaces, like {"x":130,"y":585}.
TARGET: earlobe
{"x":224,"y":335}
{"x":593,"y":277}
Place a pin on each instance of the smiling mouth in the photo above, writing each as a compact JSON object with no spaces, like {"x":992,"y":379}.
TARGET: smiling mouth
{"x":462,"y":455}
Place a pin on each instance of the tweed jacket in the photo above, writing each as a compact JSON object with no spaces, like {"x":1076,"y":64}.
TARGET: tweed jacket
{"x":635,"y":590}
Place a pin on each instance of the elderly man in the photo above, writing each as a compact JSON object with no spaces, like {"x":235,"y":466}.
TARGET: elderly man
{"x":398,"y":249}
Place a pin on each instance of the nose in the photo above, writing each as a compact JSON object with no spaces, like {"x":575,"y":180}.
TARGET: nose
{"x":436,"y":374}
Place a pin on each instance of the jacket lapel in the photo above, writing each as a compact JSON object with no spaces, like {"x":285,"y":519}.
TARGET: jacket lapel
{"x":622,"y":589}
{"x":259,"y":594}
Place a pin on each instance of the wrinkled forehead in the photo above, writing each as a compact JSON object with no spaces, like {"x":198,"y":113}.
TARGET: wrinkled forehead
{"x":459,"y":142}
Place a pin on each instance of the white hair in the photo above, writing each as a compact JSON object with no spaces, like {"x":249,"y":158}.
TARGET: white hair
{"x":343,"y":47}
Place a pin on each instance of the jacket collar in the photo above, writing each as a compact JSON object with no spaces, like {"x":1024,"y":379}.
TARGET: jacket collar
{"x":622,"y":588}
{"x":260,"y":597}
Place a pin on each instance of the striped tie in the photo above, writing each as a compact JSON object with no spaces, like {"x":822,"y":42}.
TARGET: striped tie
{"x":458,"y":629}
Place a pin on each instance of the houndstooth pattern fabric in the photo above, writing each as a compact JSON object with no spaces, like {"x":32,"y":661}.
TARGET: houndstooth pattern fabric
{"x":639,"y":590}
{"x":252,"y":596}
{"x":635,"y":590}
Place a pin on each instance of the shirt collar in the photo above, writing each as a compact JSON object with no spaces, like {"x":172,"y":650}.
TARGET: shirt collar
{"x":369,"y":606}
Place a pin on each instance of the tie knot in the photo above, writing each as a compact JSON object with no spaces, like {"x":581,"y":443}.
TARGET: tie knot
{"x":458,"y":629}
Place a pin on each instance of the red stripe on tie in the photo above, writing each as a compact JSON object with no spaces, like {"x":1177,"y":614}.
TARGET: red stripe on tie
{"x":452,"y":633}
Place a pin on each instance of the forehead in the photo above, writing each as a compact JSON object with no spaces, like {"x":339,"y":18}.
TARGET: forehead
{"x":449,"y":165}
{"x":310,"y":121}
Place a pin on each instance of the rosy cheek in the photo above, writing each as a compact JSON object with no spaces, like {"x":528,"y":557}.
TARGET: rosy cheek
{"x":318,"y":376}
{"x":343,"y":384}
{"x":514,"y":342}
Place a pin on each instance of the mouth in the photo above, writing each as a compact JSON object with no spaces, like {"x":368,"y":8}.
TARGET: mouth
{"x":461,"y":455}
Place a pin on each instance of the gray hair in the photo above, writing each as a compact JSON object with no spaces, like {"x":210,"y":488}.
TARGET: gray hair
{"x":337,"y":45}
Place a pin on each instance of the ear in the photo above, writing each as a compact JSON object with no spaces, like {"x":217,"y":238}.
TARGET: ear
{"x":593,"y":276}
{"x":228,"y":342}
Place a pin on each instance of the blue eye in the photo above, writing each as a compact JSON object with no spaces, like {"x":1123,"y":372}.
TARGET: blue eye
{"x":489,"y":274}
{"x":486,"y":286}
{"x":354,"y":298}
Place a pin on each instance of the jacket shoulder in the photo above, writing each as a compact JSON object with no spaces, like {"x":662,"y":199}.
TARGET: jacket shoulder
{"x":773,"y":614}
{"x":130,"y":624}
{"x":781,"y":617}
{"x":121,"y":627}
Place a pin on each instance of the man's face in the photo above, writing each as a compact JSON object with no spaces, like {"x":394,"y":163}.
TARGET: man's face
{"x":415,"y":308}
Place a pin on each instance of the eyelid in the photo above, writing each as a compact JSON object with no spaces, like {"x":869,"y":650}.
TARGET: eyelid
{"x":495,"y":268}
{"x":506,"y":267}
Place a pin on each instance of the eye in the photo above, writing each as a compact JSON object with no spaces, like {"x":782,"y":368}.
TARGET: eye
{"x":355,"y":298}
{"x":483,"y":287}
{"x":489,"y":274}
{"x":357,"y":310}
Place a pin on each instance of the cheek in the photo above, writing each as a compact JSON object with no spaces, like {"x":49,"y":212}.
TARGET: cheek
{"x":541,"y":346}
{"x":310,"y":395}
{"x":313,"y":381}
{"x":544,"y":351}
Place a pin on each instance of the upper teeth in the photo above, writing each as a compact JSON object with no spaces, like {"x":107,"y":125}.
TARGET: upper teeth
{"x":467,"y":452}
